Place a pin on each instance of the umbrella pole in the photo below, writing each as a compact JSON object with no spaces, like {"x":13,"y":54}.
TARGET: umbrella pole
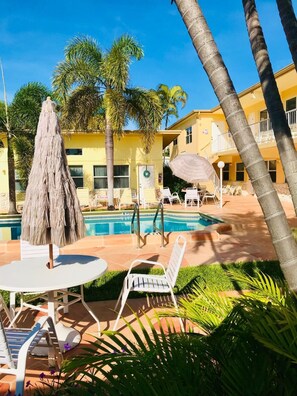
{"x":51,"y":258}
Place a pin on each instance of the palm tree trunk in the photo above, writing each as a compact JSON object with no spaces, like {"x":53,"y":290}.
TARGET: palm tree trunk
{"x":281,"y":129}
{"x":109,"y":150}
{"x":11,"y":178}
{"x":289,"y":22}
{"x":274,"y":215}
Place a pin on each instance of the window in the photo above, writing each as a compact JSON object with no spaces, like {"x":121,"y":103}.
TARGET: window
{"x":226,"y":170}
{"x":74,"y":151}
{"x":271,"y":167}
{"x":121,"y":176}
{"x":189,"y":135}
{"x":239,"y":171}
{"x":291,"y":111}
{"x":19,"y":183}
{"x":264,"y":121}
{"x":175,"y":142}
{"x":77,"y":175}
{"x":291,"y":104}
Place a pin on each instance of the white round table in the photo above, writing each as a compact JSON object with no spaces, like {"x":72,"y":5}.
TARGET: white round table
{"x":32,"y":275}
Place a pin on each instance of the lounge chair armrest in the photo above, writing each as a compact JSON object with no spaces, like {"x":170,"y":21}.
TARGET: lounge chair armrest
{"x":139,"y":261}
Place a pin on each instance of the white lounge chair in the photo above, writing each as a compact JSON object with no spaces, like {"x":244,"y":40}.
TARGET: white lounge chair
{"x":83,"y":195}
{"x":16,"y":344}
{"x":126,"y":198}
{"x":153,"y":283}
{"x":166,"y":195}
{"x":149,"y":197}
{"x":191,"y":196}
{"x":101,"y":196}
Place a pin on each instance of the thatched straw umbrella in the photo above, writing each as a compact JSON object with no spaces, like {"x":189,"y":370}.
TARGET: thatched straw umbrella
{"x":51,"y":213}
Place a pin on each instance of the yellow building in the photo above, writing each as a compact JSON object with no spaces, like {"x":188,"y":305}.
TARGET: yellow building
{"x":87,"y":162}
{"x":205,"y":132}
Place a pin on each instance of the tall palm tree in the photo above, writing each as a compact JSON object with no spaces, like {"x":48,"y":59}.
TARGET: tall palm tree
{"x":280,"y":126}
{"x":244,"y":140}
{"x":170,"y":97}
{"x":92,"y":82}
{"x":289,"y":22}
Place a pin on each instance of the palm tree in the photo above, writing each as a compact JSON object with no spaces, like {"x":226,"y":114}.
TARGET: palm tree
{"x":280,"y":126}
{"x":289,"y":22}
{"x":92,"y":83}
{"x":170,"y":97}
{"x":24,"y":115}
{"x":244,"y":140}
{"x":19,"y":121}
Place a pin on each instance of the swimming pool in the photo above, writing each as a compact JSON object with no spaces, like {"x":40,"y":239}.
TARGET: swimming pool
{"x":121,"y":224}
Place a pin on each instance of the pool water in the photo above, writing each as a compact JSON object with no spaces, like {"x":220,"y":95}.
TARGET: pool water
{"x":121,"y":224}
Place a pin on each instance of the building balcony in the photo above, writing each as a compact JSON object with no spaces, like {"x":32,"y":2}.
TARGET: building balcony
{"x":262,"y":132}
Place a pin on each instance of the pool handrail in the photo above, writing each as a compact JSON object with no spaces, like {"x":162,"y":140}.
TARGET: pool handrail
{"x":136,"y":213}
{"x":155,"y":228}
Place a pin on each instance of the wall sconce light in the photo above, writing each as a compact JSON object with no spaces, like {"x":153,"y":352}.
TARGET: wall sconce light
{"x":253,"y":95}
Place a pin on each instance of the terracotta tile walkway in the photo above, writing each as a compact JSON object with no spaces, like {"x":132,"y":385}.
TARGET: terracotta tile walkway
{"x":248,"y":240}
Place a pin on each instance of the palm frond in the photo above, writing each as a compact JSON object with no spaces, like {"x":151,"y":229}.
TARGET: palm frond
{"x":205,"y":307}
{"x":118,"y":60}
{"x":170,"y":97}
{"x":84,"y":47}
{"x":144,"y":107}
{"x":266,"y":287}
{"x":26,"y":106}
{"x":81,"y":108}
{"x":24,"y":149}
{"x":155,"y":363}
{"x":115,"y":105}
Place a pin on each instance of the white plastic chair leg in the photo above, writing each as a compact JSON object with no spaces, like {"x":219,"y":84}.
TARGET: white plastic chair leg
{"x":176,"y":307}
{"x":89,"y":309}
{"x":65,"y":302}
{"x":12,"y":303}
{"x":124,"y":294}
{"x":119,"y":299}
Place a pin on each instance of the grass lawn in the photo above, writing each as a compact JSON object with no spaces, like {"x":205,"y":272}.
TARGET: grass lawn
{"x":108,"y":286}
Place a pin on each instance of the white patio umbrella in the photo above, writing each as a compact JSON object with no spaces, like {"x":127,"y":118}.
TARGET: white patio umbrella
{"x":192,"y":168}
{"x":51,"y":213}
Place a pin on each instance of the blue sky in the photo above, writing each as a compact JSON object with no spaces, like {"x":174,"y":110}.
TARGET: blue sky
{"x":33,"y":35}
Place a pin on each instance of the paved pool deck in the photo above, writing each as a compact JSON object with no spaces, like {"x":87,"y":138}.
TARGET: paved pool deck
{"x":247,"y":240}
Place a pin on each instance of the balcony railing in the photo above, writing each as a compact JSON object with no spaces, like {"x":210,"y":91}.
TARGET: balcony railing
{"x":262,"y":132}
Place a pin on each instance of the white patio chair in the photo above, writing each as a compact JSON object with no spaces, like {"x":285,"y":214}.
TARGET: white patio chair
{"x":211,"y":195}
{"x":16,"y":344}
{"x":154,"y":283}
{"x":191,"y":196}
{"x":166,"y":194}
{"x":30,"y":251}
